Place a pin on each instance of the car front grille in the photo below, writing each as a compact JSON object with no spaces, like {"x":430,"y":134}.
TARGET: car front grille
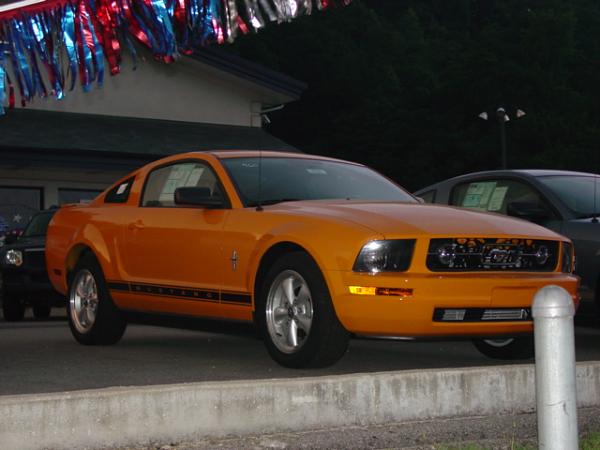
{"x":34,"y":258}
{"x":492,"y":254}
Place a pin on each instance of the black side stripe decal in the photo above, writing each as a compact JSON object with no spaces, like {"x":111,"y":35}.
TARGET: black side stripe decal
{"x":115,"y":286}
{"x":204,"y":295}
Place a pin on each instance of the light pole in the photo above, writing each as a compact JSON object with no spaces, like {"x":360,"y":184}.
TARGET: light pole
{"x":502,"y":118}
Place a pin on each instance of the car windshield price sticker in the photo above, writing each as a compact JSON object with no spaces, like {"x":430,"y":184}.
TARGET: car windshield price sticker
{"x":497,"y":198}
{"x":122,"y":188}
{"x":478,"y":195}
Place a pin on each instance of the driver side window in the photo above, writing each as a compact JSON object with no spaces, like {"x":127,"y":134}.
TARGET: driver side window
{"x":161,"y":183}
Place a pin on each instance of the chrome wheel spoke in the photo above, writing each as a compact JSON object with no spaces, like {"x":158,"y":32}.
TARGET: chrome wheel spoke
{"x":303,"y":295}
{"x":82,"y":316}
{"x":288,"y":289}
{"x":292,"y":337}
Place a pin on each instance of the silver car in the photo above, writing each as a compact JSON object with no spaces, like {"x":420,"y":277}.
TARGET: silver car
{"x":566,"y":202}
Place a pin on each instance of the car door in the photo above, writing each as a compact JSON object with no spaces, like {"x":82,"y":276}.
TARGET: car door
{"x":173,"y":254}
{"x":509,"y":196}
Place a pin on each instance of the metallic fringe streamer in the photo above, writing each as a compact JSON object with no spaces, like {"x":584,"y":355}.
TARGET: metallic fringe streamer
{"x":88,"y":32}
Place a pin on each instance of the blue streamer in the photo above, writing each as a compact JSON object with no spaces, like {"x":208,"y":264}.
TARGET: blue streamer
{"x":2,"y":77}
{"x":29,"y":41}
{"x":98,"y":53}
{"x":68,"y":35}
{"x":40,"y":29}
{"x":19,"y":60}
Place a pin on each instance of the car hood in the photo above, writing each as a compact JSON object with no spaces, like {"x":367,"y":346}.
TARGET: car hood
{"x":392,"y":219}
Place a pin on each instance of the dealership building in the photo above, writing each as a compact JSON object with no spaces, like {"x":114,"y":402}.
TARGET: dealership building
{"x":62,"y":151}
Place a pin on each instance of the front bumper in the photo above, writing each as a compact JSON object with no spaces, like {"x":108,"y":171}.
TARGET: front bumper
{"x":413,"y":316}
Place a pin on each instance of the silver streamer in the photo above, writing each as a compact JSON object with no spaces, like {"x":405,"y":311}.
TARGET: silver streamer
{"x":254,"y":17}
{"x":267,"y":7}
{"x":231,"y":24}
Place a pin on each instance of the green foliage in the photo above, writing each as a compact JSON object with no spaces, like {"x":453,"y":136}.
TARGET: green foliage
{"x":399,"y":84}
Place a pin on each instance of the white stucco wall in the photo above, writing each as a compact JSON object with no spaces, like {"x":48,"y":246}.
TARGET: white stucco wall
{"x":184,"y":91}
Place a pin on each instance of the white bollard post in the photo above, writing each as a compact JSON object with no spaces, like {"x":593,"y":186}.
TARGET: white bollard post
{"x":555,"y":386}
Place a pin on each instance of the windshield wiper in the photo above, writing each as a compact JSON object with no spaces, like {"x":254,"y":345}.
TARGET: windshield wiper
{"x":274,"y":201}
{"x":588,"y":215}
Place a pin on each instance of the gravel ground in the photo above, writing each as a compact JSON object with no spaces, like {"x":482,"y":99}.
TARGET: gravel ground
{"x":498,"y":432}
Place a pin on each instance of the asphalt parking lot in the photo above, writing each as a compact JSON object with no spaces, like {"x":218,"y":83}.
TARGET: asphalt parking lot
{"x":40,"y":356}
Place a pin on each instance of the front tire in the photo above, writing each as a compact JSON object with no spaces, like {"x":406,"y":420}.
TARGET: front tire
{"x":13,"y":308}
{"x":93,"y":317}
{"x":506,"y":348}
{"x":296,"y":317}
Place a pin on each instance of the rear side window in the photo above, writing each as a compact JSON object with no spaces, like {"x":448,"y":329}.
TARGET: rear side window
{"x":119,"y":193}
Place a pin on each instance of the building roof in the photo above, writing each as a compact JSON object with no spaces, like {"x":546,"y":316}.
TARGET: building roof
{"x":69,"y":139}
{"x":256,"y":73}
{"x":24,"y":128}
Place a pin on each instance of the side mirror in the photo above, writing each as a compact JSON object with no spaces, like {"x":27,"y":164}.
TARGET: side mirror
{"x":419,"y":199}
{"x":197,"y":196}
{"x":532,"y":212}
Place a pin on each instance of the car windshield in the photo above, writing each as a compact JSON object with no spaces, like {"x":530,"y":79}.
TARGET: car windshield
{"x":580,"y":193}
{"x":38,"y":225}
{"x":290,"y":179}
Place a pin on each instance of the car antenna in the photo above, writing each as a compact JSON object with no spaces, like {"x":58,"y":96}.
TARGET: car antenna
{"x":594,"y":212}
{"x":259,"y":194}
{"x":266,"y":121}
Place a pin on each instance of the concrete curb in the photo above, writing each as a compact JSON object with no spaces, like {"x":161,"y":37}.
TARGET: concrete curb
{"x":137,"y":415}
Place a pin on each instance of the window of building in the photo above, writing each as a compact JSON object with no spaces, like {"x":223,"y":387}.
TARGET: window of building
{"x":76,"y":195}
{"x":17,"y":206}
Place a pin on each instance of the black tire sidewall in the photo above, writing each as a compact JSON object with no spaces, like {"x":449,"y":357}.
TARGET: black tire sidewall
{"x":41,"y":311}
{"x":522,"y":347}
{"x":13,"y":309}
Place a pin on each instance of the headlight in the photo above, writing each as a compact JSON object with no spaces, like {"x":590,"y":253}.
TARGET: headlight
{"x":385,"y":256}
{"x":568,"y":258}
{"x":13,"y":258}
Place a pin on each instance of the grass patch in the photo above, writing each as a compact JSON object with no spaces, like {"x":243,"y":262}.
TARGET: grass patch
{"x":590,"y":442}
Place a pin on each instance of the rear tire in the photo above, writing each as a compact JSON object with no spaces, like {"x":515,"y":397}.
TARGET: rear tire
{"x":13,"y":308}
{"x":41,"y":311}
{"x":93,"y":317}
{"x":296,"y":317}
{"x":521,"y":347}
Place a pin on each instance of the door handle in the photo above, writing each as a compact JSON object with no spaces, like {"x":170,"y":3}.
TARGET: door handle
{"x":137,"y":225}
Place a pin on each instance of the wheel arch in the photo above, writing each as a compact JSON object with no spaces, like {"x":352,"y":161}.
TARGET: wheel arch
{"x":269,"y":257}
{"x":73,"y":256}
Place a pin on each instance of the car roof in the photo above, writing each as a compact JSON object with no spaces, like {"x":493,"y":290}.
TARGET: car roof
{"x":523,"y":173}
{"x":526,"y":173}
{"x":226,"y":154}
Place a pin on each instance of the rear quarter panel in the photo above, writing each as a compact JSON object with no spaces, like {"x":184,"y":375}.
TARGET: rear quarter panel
{"x":75,"y":229}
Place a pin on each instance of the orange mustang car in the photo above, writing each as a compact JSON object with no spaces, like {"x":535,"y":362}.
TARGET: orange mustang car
{"x":313,"y":250}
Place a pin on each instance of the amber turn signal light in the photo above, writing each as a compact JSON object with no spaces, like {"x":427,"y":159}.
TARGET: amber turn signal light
{"x":395,"y":292}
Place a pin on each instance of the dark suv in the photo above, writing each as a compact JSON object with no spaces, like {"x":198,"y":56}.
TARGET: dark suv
{"x":24,"y":278}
